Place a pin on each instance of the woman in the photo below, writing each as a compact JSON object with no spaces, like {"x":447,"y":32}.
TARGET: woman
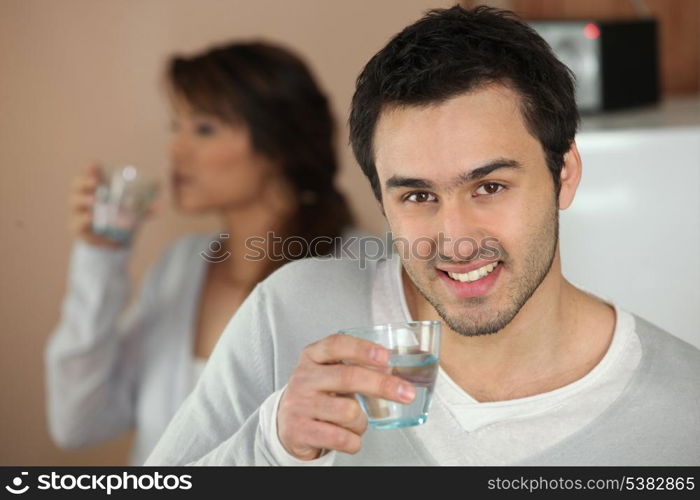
{"x":253,"y":142}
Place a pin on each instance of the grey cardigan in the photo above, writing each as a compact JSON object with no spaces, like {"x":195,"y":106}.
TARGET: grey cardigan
{"x":655,"y":421}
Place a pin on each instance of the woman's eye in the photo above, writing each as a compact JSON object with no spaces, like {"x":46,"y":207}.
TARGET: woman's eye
{"x":490,"y":188}
{"x":204,"y":129}
{"x":420,"y":197}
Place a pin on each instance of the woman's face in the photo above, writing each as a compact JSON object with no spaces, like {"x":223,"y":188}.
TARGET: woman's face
{"x":213,"y":163}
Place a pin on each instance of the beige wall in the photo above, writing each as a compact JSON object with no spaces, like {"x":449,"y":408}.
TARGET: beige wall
{"x":79,"y":81}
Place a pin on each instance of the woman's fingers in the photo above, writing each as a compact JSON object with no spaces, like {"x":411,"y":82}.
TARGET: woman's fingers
{"x":79,"y":202}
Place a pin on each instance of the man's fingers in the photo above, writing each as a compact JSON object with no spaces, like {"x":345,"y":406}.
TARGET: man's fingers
{"x":341,"y":378}
{"x":359,"y":424}
{"x":323,"y":435}
{"x":342,"y":411}
{"x":338,"y":347}
{"x":311,"y":414}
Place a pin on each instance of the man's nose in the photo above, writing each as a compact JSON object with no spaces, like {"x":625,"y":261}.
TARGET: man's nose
{"x":460,"y":231}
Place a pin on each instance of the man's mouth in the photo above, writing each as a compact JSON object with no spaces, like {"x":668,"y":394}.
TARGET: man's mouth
{"x":473,"y":283}
{"x":474,"y":275}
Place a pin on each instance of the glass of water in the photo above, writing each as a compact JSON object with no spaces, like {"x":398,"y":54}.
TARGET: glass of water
{"x":414,"y":355}
{"x":121,"y":201}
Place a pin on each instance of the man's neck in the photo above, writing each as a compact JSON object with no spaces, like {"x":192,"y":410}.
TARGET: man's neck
{"x":557,"y":337}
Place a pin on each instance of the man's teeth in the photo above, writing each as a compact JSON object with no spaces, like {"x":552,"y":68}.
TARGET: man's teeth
{"x":474,"y":275}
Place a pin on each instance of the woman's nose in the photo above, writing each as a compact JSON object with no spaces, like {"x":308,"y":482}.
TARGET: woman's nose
{"x":178,"y":148}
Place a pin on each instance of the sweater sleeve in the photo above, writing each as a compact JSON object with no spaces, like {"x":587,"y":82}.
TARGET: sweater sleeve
{"x":91,"y":357}
{"x":219,"y":422}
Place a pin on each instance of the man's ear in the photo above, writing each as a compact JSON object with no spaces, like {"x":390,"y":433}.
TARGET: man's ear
{"x":569,"y":177}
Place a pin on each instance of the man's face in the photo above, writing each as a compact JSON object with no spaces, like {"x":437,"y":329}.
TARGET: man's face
{"x":451,"y":219}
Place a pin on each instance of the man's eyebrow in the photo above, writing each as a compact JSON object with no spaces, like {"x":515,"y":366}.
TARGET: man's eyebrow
{"x":483,"y":171}
{"x":397,"y":181}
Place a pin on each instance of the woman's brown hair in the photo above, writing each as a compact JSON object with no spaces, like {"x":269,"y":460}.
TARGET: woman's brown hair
{"x":274,"y":94}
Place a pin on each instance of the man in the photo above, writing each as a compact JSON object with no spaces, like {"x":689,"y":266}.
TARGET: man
{"x":464,"y":124}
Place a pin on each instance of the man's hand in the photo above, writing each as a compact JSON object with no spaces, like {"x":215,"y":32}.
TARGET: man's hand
{"x":318,"y":409}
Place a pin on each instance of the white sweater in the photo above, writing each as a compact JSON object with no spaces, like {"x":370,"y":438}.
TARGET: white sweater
{"x":111,"y":368}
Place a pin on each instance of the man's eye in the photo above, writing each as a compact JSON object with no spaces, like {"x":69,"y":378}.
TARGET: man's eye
{"x":420,"y":197}
{"x":490,"y":188}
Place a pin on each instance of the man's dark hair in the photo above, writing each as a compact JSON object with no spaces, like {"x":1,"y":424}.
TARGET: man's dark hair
{"x":452,"y":51}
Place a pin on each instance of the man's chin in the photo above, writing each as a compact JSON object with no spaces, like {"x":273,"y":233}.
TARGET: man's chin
{"x":472,"y":319}
{"x":473,"y":328}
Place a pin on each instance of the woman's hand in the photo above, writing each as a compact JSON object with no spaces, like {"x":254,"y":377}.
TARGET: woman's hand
{"x":81,"y":202}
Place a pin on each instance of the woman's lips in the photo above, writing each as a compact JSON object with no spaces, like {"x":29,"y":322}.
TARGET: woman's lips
{"x":180,"y":180}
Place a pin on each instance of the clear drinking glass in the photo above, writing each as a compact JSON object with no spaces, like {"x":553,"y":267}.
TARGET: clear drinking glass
{"x":414,"y":355}
{"x":121,"y":201}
